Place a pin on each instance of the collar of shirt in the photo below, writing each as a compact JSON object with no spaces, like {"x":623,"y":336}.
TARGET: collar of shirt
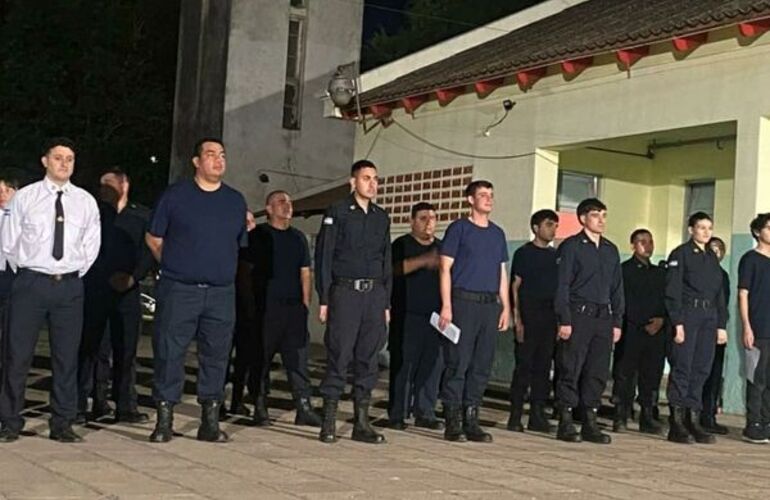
{"x":54,"y":188}
{"x":353,"y":204}
{"x":640,"y":263}
{"x":696,"y":249}
{"x":584,"y":238}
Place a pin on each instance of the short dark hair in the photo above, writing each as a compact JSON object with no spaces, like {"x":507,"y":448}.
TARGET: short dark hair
{"x":590,"y":205}
{"x":116,"y":171}
{"x":697,"y":217}
{"x":198,"y":148}
{"x":474,"y":186}
{"x":639,"y":232}
{"x":53,"y":142}
{"x":716,"y":240}
{"x":541,"y":216}
{"x":361,"y":164}
{"x":274,"y":193}
{"x":10,"y":182}
{"x":423,"y":205}
{"x":758,"y":223}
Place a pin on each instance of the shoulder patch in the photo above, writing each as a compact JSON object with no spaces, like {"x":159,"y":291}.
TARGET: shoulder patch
{"x":328,"y":221}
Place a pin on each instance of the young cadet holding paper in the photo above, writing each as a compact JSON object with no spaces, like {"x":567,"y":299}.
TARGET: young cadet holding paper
{"x":474,"y":295}
{"x":754,"y":305}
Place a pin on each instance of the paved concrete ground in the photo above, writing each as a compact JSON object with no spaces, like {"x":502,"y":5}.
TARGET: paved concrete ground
{"x":287,"y":462}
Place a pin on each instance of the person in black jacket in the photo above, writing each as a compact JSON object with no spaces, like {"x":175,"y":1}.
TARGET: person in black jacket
{"x":640,"y":355}
{"x":695,"y":301}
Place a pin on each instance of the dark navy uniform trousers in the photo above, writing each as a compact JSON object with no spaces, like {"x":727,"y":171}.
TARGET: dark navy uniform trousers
{"x":535,"y":355}
{"x":187,"y":312}
{"x":37,"y":299}
{"x":469,"y":362}
{"x":355,"y":332}
{"x":692,"y":359}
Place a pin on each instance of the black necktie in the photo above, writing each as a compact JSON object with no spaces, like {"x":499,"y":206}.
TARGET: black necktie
{"x":58,"y":232}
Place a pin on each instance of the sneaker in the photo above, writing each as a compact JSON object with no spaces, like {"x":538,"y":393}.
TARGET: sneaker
{"x":755,"y":433}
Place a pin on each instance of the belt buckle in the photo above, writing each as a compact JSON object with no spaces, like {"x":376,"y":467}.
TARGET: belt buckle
{"x":57,"y":277}
{"x":363,"y":285}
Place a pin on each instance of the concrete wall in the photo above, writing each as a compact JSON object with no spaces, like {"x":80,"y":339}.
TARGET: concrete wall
{"x":717,"y":83}
{"x":253,"y":107}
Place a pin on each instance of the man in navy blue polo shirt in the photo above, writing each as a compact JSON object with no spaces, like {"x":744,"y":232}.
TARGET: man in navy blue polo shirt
{"x":474,"y":295}
{"x":196,"y":231}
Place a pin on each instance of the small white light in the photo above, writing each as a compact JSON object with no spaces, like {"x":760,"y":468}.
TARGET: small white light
{"x":153,"y":159}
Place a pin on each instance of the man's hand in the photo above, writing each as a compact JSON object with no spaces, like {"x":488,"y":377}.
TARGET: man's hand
{"x":748,"y":337}
{"x":565,"y":332}
{"x":120,"y":282}
{"x":679,"y":334}
{"x":430,"y":260}
{"x":504,"y":321}
{"x":721,"y":336}
{"x":518,"y":329}
{"x":654,"y":326}
{"x":616,"y":334}
{"x":387,"y":316}
{"x":323,"y":313}
{"x":445,"y":317}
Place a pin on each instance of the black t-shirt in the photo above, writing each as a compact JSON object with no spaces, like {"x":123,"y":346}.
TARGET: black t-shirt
{"x":538,"y":271}
{"x":754,"y":276}
{"x":416,"y":292}
{"x":277,"y":256}
{"x":202,"y":232}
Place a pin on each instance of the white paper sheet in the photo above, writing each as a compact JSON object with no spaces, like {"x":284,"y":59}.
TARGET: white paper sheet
{"x":451,"y":331}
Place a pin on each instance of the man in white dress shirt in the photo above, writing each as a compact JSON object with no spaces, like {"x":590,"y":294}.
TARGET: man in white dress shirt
{"x":50,"y":235}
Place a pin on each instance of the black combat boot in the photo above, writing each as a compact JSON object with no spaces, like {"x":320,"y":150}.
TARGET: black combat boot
{"x":164,"y":424}
{"x":647,"y":423}
{"x":514,"y":419}
{"x":454,"y":424}
{"x":329,"y":424}
{"x":261,"y":418}
{"x":710,"y":424}
{"x":677,"y":432}
{"x":566,"y":430}
{"x":209,"y":429}
{"x":692,"y":422}
{"x":362,"y":428}
{"x":236,"y":402}
{"x":590,"y":430}
{"x":620,"y":419}
{"x":471,"y":427}
{"x":306,"y":415}
{"x":538,"y":421}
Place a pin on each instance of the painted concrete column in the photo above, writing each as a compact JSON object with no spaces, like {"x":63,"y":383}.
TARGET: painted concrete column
{"x":752,"y":185}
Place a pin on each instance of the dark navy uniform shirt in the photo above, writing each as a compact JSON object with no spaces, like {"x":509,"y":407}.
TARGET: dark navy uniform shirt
{"x":693,"y":274}
{"x":278,"y":256}
{"x":536,"y":266}
{"x":754,"y":276}
{"x":133,"y":221}
{"x":418,"y":291}
{"x":477,"y":252}
{"x":644,"y":286}
{"x":352,"y":244}
{"x":588,"y":275}
{"x":202,"y":232}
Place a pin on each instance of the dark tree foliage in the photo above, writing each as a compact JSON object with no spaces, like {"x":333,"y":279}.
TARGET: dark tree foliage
{"x":431,"y":21}
{"x":101,"y":72}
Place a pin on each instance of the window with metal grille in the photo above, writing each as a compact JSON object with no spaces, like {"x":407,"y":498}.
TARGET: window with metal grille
{"x":574,"y":188}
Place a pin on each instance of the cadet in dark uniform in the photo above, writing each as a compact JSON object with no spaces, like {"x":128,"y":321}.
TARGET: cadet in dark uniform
{"x":589,"y":304}
{"x":415,"y":346}
{"x":712,"y":388}
{"x":534,"y":276}
{"x":116,"y":308}
{"x":51,"y":236}
{"x":641,"y":353}
{"x":196,"y":230}
{"x":353,"y":273}
{"x":754,"y":305}
{"x":695,"y":301}
{"x":475,"y":296}
{"x":281,"y":286}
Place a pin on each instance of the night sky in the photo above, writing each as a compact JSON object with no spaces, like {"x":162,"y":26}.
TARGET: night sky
{"x":375,"y":18}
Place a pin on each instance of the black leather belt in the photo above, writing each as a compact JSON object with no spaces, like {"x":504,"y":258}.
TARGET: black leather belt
{"x":700,"y":303}
{"x":54,"y":277}
{"x":480,"y":297}
{"x":593,"y":310}
{"x":362,"y":285}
